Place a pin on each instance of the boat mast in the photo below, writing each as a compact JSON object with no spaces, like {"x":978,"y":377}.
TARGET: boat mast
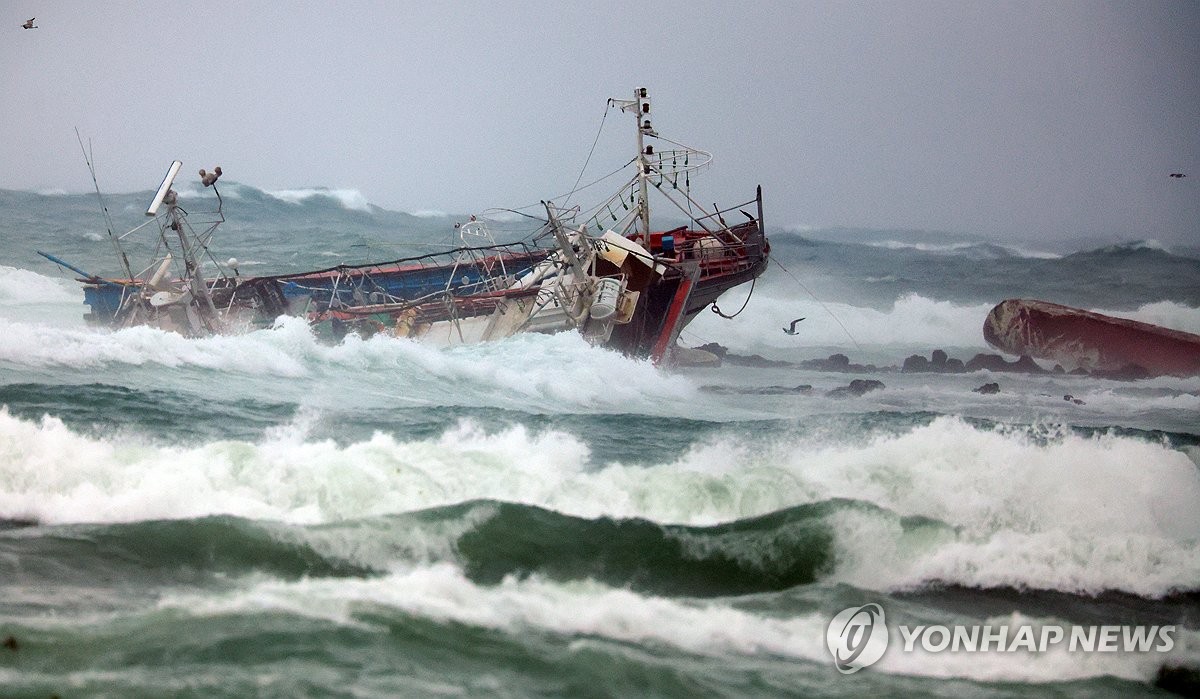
{"x":640,"y":106}
{"x":193,"y":274}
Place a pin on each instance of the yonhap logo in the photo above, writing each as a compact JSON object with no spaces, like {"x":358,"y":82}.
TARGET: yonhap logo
{"x":857,"y":637}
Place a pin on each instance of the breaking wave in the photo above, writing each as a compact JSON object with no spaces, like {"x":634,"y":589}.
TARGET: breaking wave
{"x":351,"y":199}
{"x":532,"y":372}
{"x":979,"y":251}
{"x":584,"y":610}
{"x":21,"y":286}
{"x":913,"y":321}
{"x":1165,"y":313}
{"x":944,"y":502}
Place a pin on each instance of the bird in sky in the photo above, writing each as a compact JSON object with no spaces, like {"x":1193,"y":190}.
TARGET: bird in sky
{"x":30,"y":24}
{"x":791,"y":329}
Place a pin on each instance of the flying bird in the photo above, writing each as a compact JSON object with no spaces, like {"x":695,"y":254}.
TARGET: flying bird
{"x":791,"y":329}
{"x":30,"y":24}
{"x":1178,"y":174}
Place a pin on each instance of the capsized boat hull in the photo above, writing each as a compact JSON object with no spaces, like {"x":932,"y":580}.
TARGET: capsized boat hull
{"x":1083,"y":339}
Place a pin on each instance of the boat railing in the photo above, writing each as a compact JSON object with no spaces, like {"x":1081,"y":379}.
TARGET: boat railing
{"x":517,"y":250}
{"x":457,"y":272}
{"x":730,"y":258}
{"x":718,"y":217}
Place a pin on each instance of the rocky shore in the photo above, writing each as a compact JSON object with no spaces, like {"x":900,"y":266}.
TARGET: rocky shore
{"x":938,"y":362}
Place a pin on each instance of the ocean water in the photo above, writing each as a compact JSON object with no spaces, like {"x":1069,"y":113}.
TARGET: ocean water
{"x":268,"y":515}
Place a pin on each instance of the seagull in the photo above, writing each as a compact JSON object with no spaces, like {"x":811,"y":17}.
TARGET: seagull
{"x":791,"y":329}
{"x":30,"y":24}
{"x":1178,"y":174}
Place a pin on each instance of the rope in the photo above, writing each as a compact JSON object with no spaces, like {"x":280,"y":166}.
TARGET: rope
{"x":820,"y":302}
{"x":716,"y":309}
{"x":590,"y":152}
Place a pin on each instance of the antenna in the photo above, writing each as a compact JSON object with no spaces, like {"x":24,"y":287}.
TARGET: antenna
{"x":87,"y":158}
{"x":164,"y":188}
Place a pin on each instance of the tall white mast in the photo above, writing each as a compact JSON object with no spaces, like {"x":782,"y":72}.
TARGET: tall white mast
{"x":640,"y":106}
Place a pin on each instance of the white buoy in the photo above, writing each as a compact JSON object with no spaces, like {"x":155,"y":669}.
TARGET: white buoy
{"x":604,"y":303}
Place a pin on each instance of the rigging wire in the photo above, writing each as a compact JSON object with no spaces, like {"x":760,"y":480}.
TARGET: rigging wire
{"x":697,"y":337}
{"x":692,"y":149}
{"x":537,"y":233}
{"x":580,"y":189}
{"x":574,"y":187}
{"x":103,"y":207}
{"x":820,"y":302}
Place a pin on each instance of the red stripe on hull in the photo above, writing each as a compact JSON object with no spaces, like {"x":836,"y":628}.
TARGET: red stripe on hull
{"x":668,"y":334}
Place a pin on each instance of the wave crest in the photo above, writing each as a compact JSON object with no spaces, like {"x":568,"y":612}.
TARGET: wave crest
{"x":1005,"y":507}
{"x":351,"y":199}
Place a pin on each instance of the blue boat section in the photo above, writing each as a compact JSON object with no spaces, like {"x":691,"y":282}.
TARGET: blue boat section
{"x":64,"y":263}
{"x":104,"y":299}
{"x":354,"y":287}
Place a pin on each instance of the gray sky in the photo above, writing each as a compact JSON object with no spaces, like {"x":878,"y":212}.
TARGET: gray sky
{"x":1011,"y":120}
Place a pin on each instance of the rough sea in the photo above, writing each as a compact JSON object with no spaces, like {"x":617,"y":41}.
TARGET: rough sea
{"x":268,"y":515}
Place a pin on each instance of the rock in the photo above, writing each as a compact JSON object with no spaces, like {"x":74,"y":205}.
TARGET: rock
{"x":1058,"y":369}
{"x":938,"y":363}
{"x":694,"y":357}
{"x":987,"y":362}
{"x":779,"y":390}
{"x":988,"y":388}
{"x":1129,"y":372}
{"x":753,"y":360}
{"x":1026,"y":365}
{"x":839,"y":363}
{"x":834,"y":362}
{"x":994,"y":362}
{"x":857,"y":387}
{"x":802,"y":389}
{"x":1072,"y":399}
{"x":838,"y":360}
{"x":714,"y":348}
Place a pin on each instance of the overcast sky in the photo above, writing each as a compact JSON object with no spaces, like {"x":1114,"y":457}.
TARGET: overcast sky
{"x":1010,"y":120}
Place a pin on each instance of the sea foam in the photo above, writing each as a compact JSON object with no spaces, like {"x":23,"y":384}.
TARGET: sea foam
{"x":913,"y":321}
{"x":1023,"y":508}
{"x":348,"y":198}
{"x":586,"y":611}
{"x":22,"y":286}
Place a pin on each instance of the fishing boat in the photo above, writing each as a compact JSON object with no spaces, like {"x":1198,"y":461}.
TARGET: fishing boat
{"x":603,"y":271}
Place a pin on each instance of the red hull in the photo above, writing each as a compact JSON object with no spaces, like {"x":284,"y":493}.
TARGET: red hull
{"x":1078,"y":338}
